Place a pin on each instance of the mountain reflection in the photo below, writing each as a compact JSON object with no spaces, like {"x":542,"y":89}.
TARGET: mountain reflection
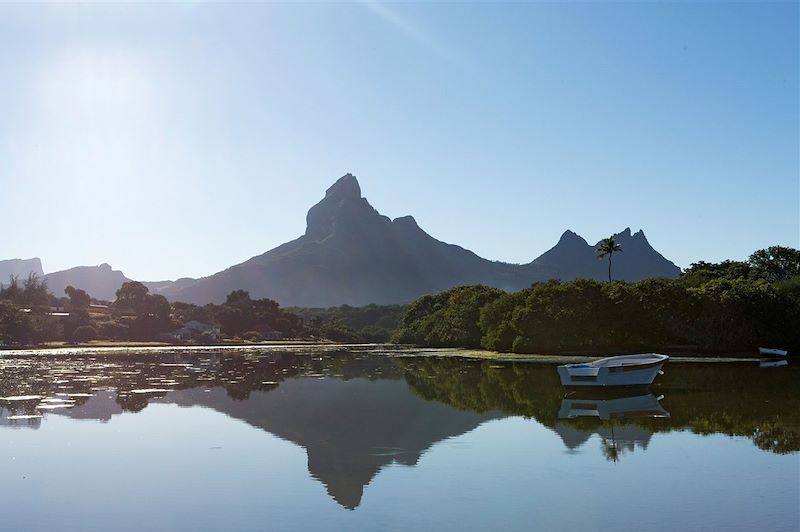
{"x":355,"y":413}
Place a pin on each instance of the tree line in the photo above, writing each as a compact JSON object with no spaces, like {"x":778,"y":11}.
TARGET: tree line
{"x":726,"y":306}
{"x":31,"y":315}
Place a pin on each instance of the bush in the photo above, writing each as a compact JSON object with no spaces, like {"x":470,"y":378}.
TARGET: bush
{"x":85,"y":333}
{"x":252,"y":336}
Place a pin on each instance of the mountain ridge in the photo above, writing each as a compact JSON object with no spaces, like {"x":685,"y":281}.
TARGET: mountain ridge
{"x":351,"y":254}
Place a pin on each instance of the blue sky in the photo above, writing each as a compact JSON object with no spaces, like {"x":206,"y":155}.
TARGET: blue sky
{"x":179,"y":139}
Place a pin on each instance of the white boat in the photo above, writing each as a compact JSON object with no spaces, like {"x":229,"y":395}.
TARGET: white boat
{"x":773,"y":363}
{"x":625,"y":370}
{"x":772,"y":352}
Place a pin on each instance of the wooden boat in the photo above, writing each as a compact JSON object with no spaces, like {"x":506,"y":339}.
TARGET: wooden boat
{"x":772,"y":352}
{"x":626,"y":370}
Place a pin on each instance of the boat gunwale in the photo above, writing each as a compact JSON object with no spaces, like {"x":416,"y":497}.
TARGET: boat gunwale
{"x":644,"y":361}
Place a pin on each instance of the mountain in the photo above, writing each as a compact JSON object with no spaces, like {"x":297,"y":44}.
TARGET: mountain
{"x":574,"y":258}
{"x":20,"y":268}
{"x":351,"y":254}
{"x":100,"y":282}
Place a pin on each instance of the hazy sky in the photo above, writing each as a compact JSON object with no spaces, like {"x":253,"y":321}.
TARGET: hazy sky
{"x":179,"y":139}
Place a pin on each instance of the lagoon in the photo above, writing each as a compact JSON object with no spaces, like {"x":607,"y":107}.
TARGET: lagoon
{"x":373,"y":439}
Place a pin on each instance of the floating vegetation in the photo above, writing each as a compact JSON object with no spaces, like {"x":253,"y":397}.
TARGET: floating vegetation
{"x":21,"y":398}
{"x":52,"y":406}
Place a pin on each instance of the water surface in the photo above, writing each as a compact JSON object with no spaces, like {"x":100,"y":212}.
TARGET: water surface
{"x":315,"y":440}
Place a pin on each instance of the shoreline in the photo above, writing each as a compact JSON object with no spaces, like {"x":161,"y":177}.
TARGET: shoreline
{"x":392,"y":350}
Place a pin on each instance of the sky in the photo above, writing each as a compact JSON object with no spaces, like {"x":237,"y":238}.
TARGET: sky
{"x":173,"y":140}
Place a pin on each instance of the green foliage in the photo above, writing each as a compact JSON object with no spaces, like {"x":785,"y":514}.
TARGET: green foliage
{"x":30,"y":293}
{"x":184,"y":312}
{"x":374,"y":335}
{"x":369,"y":324}
{"x":702,"y":272}
{"x":607,"y":247}
{"x":338,"y":331}
{"x":447,"y":319}
{"x":15,"y":326}
{"x":131,"y":297}
{"x":776,"y":263}
{"x":151,"y":312}
{"x":24,"y":312}
{"x":713,"y":307}
{"x":78,"y":299}
{"x":85,"y":333}
{"x":240,"y":314}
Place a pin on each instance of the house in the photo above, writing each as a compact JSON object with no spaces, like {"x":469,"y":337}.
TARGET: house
{"x":268,"y":333}
{"x":197,"y":330}
{"x":272,"y":335}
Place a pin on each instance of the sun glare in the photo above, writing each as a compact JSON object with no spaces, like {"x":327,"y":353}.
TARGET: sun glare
{"x":86,"y":86}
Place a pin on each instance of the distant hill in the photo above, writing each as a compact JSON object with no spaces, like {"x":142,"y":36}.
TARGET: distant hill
{"x":100,"y":282}
{"x":574,"y":258}
{"x":351,"y":254}
{"x":20,"y":268}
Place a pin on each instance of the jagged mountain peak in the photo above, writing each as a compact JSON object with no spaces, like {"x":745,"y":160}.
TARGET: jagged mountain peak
{"x":345,"y":187}
{"x":342,"y":202}
{"x":571,"y":237}
{"x":406,"y":221}
{"x":574,"y":258}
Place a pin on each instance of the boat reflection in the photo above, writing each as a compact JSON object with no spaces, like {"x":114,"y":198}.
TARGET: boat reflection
{"x":610,"y":409}
{"x":637,"y":405}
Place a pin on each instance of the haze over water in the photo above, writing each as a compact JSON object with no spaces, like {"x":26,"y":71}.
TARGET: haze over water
{"x":319,"y":439}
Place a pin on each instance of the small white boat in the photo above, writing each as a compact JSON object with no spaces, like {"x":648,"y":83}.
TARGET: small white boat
{"x":625,"y":370}
{"x":773,"y":363}
{"x":772,"y":352}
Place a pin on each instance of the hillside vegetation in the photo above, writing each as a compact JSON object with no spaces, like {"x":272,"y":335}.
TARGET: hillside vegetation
{"x":727,"y":306}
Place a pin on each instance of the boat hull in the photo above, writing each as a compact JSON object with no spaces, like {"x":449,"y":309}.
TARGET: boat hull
{"x":772,"y":352}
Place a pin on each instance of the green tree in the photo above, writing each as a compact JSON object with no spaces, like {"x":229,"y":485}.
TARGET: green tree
{"x":15,"y":326}
{"x":131,"y":297}
{"x":608,"y":246}
{"x":32,"y":292}
{"x":153,"y":317}
{"x":776,"y":263}
{"x":85,"y":333}
{"x":447,"y":319}
{"x":78,"y":299}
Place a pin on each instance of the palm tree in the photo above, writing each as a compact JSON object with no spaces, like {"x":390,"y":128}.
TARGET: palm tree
{"x":607,"y":246}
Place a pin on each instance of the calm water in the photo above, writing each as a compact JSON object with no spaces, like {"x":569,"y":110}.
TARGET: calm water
{"x":356,"y":441}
